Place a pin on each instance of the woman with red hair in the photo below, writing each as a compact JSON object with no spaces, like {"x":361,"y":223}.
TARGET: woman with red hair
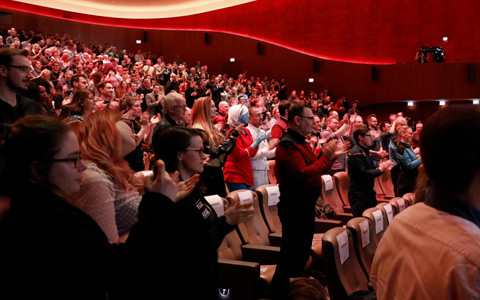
{"x":108,"y":193}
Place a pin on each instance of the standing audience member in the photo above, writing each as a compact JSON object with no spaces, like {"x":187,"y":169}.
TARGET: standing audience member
{"x":215,"y":145}
{"x":408,"y":162}
{"x":237,"y":171}
{"x":334,"y":131}
{"x":434,"y":247}
{"x":174,"y":107}
{"x":398,"y":123}
{"x":259,"y":161}
{"x":299,"y":172}
{"x":362,"y":172}
{"x":280,"y":127}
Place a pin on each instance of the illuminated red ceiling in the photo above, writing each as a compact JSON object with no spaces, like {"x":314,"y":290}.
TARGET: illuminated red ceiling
{"x":370,"y":31}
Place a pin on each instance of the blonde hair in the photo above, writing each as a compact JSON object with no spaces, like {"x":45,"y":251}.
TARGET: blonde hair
{"x":201,"y":119}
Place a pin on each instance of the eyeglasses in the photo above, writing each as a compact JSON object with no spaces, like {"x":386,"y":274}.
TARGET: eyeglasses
{"x":310,"y":118}
{"x":26,"y":69}
{"x":73,"y":160}
{"x":184,"y":107}
{"x":199,"y":150}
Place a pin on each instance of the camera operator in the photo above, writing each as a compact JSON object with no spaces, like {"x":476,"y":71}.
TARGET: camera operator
{"x":421,"y":57}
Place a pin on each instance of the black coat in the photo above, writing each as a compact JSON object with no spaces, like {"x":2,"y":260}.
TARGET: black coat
{"x":362,"y":173}
{"x":51,"y":249}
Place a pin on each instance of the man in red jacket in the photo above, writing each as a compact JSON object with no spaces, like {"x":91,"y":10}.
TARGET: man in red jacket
{"x":299,"y":172}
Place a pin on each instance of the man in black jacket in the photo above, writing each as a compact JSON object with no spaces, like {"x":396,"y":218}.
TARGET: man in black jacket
{"x":362,"y":172}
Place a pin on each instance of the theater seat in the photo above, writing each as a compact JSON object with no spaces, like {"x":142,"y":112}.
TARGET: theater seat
{"x":379,"y":222}
{"x":239,"y":279}
{"x":363,"y":237}
{"x":269,"y":212}
{"x":330,"y":196}
{"x":271,"y":171}
{"x":342,"y":182}
{"x":410,"y":198}
{"x":388,"y":210}
{"x":344,"y":275}
{"x":398,"y":204}
{"x":386,"y":184}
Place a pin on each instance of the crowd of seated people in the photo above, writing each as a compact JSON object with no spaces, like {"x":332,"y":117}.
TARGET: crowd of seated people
{"x":121,"y":106}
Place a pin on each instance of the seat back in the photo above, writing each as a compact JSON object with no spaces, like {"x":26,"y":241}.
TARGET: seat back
{"x":398,"y":204}
{"x":231,"y":247}
{"x":266,"y":199}
{"x":377,"y":187}
{"x":330,"y":194}
{"x":271,"y":171}
{"x":255,"y":230}
{"x":388,"y":210}
{"x":410,"y":198}
{"x":379,"y":222}
{"x":386,"y":183}
{"x":342,"y":181}
{"x":363,"y":237}
{"x":343,"y":272}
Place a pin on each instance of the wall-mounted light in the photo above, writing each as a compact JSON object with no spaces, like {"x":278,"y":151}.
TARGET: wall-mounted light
{"x":232,"y":59}
{"x":442,"y":103}
{"x":445,"y":38}
{"x":311,"y":80}
{"x":476,"y":101}
{"x":138,"y":41}
{"x":410,"y":103}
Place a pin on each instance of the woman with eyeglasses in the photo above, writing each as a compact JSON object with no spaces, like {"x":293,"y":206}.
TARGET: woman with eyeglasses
{"x":237,"y":172}
{"x":195,"y":262}
{"x":215,"y":145}
{"x":52,"y":249}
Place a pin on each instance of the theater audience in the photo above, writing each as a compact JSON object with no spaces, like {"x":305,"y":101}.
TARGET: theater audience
{"x":64,"y":240}
{"x":434,"y":247}
{"x":237,"y":171}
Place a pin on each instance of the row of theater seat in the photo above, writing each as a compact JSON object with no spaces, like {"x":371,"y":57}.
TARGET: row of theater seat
{"x":248,"y":256}
{"x":348,"y":251}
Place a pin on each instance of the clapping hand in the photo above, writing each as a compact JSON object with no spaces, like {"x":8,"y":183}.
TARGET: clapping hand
{"x":239,"y":213}
{"x":184,"y":188}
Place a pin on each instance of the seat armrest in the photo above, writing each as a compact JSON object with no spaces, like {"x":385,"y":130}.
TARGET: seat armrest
{"x":347,"y":209}
{"x":264,"y":255}
{"x":238,"y":279}
{"x":323,"y":225}
{"x":344,"y":217}
{"x":275,"y":239}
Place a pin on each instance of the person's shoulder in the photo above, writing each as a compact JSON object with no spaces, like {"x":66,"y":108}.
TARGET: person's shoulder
{"x":356,"y":150}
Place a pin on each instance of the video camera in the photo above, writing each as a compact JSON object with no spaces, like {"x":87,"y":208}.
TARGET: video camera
{"x":437,"y":52}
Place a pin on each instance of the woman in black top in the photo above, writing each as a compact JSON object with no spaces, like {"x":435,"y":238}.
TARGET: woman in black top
{"x":53,"y":250}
